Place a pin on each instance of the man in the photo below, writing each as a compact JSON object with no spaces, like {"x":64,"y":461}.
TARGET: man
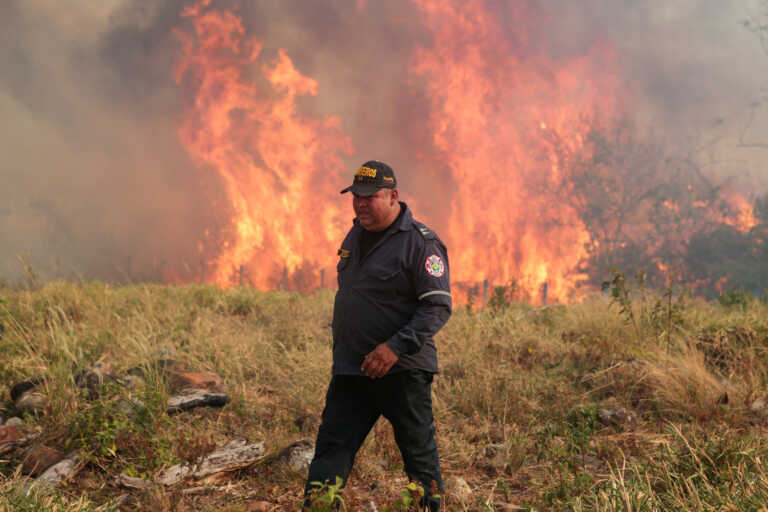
{"x":393,"y":296}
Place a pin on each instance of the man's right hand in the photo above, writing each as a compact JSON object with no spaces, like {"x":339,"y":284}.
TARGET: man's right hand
{"x":378,"y":362}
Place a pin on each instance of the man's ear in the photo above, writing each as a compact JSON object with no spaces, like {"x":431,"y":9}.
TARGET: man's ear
{"x":395,"y":196}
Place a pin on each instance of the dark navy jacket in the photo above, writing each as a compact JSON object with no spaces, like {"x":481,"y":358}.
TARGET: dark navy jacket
{"x":399,"y":293}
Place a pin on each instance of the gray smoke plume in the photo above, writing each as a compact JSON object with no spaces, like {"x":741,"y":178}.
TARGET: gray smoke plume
{"x":93,"y":180}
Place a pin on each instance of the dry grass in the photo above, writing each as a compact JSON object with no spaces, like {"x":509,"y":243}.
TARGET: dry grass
{"x":515,"y":402}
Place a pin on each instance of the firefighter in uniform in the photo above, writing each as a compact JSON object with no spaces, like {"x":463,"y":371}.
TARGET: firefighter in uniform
{"x":394,"y":295}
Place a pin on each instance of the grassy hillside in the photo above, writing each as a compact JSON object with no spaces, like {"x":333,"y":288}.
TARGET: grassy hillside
{"x":517,"y":401}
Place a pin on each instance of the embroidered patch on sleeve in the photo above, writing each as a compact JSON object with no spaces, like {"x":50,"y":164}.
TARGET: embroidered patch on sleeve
{"x":435,"y":266}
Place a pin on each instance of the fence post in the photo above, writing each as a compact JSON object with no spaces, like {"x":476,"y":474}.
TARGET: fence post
{"x":485,"y":292}
{"x":240,"y":272}
{"x":322,"y":278}
{"x":544,"y":289}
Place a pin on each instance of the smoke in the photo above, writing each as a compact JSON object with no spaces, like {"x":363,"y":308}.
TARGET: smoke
{"x":94,"y":182}
{"x":694,"y":73}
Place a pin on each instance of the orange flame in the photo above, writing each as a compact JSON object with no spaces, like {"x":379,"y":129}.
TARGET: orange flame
{"x":275,"y":164}
{"x":502,"y":115}
{"x":742,"y":213}
{"x":493,"y":112}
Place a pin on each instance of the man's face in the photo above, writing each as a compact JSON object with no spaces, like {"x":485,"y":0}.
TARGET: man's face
{"x":378,"y":211}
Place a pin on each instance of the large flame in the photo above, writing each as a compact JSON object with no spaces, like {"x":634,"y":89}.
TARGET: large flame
{"x":505,"y":114}
{"x":495,"y":106}
{"x":277,"y":166}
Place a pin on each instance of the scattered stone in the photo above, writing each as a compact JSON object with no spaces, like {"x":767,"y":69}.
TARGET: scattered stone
{"x":9,"y":434}
{"x":14,"y":421}
{"x":94,"y":377}
{"x":31,"y":401}
{"x":26,"y":397}
{"x":459,"y":489}
{"x":208,"y":381}
{"x":618,"y":417}
{"x":191,"y":398}
{"x":12,"y":437}
{"x":22,"y":387}
{"x":298,"y":455}
{"x":58,"y":472}
{"x":236,"y":454}
{"x":40,"y":457}
{"x":132,"y":482}
{"x":371,"y":506}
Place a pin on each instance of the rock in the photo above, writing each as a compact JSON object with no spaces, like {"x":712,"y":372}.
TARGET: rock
{"x":38,"y":458}
{"x":31,"y":401}
{"x":9,"y":434}
{"x":208,"y":381}
{"x":298,"y":455}
{"x":618,"y":417}
{"x":234,"y":455}
{"x":190,"y":398}
{"x":26,"y":396}
{"x":459,"y":489}
{"x":94,"y":377}
{"x":14,"y":421}
{"x":132,"y":482}
{"x":22,"y":387}
{"x":12,"y":437}
{"x":371,"y":506}
{"x":60,"y":471}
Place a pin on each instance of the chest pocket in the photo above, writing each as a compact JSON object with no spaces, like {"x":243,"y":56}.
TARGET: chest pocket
{"x":386,"y":281}
{"x":380,"y":273}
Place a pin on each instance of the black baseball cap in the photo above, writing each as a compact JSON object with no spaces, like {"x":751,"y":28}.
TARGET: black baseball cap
{"x":370,"y":177}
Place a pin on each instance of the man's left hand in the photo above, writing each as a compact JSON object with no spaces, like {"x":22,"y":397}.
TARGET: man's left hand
{"x":378,"y":362}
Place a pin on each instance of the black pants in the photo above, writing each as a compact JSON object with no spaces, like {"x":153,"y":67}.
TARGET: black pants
{"x":352,"y":406}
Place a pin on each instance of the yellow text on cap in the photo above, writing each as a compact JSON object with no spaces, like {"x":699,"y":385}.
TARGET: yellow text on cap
{"x":366,"y":171}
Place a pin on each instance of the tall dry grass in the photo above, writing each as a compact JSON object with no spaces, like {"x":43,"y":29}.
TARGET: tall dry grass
{"x":515,"y":401}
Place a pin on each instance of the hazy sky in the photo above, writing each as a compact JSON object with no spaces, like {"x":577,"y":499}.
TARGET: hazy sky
{"x":93,"y":180}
